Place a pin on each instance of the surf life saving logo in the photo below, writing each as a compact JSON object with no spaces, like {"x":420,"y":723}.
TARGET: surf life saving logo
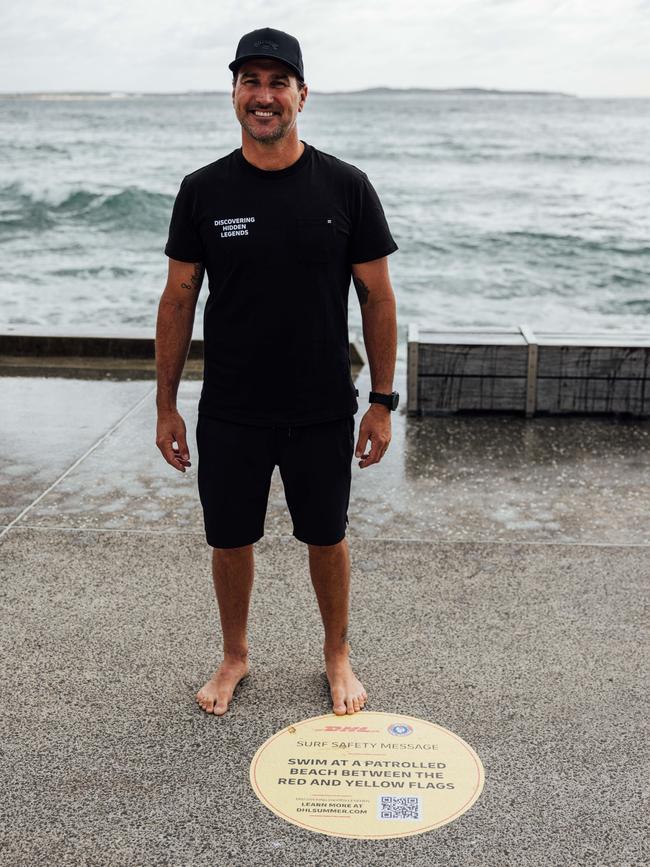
{"x":400,"y":729}
{"x":232,"y":227}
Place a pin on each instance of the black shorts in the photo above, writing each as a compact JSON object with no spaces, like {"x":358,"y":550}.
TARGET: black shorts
{"x":236,"y":462}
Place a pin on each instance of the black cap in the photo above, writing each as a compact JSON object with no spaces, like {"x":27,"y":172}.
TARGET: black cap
{"x":268,"y":42}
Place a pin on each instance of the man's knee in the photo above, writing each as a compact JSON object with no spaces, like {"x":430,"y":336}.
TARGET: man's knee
{"x":235,"y":552}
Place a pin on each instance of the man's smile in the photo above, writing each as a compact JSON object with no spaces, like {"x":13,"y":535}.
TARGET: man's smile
{"x":258,"y":112}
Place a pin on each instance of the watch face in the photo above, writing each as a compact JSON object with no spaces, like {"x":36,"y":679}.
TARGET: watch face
{"x":395,"y":400}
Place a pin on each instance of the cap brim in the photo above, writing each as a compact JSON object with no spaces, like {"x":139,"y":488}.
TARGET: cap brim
{"x":234,"y":66}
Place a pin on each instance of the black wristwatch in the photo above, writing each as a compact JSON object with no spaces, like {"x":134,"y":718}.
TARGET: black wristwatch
{"x":390,"y":400}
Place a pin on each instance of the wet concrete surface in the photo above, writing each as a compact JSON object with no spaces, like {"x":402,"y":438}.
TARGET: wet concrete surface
{"x":48,"y":424}
{"x":503,"y":478}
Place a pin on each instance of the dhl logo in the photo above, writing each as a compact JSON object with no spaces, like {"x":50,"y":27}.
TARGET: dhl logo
{"x":346,"y":729}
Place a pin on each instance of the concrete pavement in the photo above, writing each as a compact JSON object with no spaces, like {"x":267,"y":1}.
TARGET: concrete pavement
{"x":500,"y":578}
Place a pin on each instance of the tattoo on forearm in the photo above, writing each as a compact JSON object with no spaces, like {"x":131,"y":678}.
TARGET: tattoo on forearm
{"x":196,"y":278}
{"x":362,"y":290}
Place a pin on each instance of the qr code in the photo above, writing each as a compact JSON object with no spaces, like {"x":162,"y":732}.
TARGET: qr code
{"x":391,"y":807}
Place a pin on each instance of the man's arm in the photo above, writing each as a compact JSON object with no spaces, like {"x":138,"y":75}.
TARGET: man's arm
{"x":173,"y":337}
{"x":379,"y":316}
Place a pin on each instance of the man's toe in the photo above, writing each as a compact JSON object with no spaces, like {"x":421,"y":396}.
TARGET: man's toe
{"x":220,"y":704}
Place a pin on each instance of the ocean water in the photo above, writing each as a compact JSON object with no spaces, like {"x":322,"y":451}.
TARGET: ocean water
{"x":506,"y":209}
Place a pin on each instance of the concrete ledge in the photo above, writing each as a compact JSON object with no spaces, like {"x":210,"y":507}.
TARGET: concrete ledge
{"x":132,"y":343}
{"x":127,"y":343}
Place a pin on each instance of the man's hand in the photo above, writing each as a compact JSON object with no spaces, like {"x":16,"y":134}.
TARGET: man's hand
{"x":375,"y":426}
{"x":171,"y":440}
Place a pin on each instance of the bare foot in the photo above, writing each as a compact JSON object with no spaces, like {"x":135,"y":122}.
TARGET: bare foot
{"x":348,"y":694}
{"x":216,"y":694}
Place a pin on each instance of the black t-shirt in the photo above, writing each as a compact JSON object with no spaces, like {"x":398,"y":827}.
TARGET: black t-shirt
{"x":278,"y":248}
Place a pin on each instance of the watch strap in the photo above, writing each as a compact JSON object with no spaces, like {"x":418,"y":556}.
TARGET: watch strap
{"x":389,"y":400}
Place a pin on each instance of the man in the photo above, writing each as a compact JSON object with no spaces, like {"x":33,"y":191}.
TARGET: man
{"x":280,"y":227}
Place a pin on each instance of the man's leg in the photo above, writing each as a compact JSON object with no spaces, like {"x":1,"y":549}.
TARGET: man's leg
{"x":232,"y":574}
{"x":329,"y":566}
{"x":234,"y":476}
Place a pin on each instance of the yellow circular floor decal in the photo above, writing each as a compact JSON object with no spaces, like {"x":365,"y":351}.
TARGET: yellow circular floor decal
{"x":368,"y":775}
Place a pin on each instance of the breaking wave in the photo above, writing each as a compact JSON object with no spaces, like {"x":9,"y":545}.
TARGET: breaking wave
{"x":128,"y":209}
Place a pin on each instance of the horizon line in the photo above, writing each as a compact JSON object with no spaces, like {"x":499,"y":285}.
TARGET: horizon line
{"x":385,"y":89}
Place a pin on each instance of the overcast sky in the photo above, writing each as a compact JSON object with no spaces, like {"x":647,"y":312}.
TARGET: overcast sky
{"x":586,"y":47}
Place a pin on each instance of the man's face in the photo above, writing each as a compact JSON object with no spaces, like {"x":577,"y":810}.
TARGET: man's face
{"x":267,"y":100}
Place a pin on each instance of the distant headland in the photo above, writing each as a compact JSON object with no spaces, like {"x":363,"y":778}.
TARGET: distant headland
{"x":452,"y":91}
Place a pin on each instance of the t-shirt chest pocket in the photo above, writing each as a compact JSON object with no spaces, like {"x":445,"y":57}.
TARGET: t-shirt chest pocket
{"x":315,"y":239}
